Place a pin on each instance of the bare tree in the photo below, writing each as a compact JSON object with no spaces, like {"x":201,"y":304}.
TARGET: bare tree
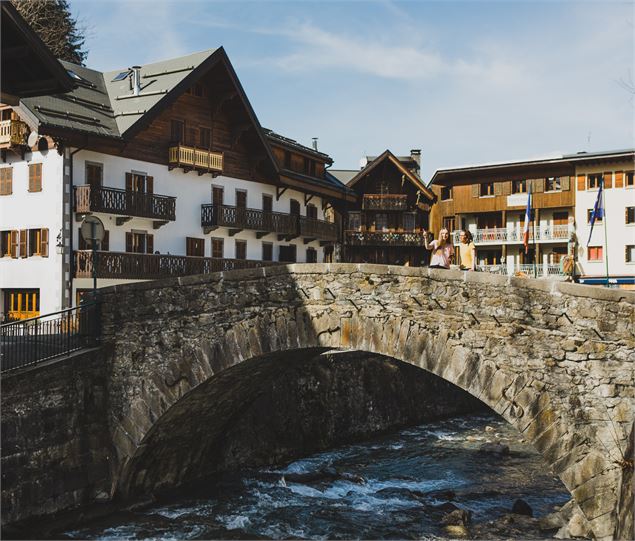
{"x":53,"y":22}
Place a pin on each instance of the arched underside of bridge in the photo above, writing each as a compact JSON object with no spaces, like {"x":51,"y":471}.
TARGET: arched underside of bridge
{"x":504,"y":345}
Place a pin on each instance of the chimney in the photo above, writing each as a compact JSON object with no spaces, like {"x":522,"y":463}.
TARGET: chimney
{"x":315,"y":140}
{"x":415,"y":154}
{"x":136,"y":80}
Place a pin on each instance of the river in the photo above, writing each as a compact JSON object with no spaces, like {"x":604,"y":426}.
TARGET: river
{"x":399,"y":470}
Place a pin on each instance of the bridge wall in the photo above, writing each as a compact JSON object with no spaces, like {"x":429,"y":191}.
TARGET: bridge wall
{"x":55,"y":440}
{"x":553,"y":359}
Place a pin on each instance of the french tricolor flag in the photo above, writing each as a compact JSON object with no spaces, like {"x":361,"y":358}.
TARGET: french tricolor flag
{"x":527,"y":221}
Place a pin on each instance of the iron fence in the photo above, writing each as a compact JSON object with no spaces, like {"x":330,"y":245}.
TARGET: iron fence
{"x":31,"y":341}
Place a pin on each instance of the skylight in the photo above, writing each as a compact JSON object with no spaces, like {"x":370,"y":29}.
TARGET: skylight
{"x":121,"y":76}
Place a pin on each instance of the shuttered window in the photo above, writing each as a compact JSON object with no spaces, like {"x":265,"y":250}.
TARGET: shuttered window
{"x":593,"y":181}
{"x":35,"y":177}
{"x":39,"y":242}
{"x":24,"y":235}
{"x":311,"y":211}
{"x":608,"y":180}
{"x":5,"y":243}
{"x":6,"y":181}
{"x":553,"y":184}
{"x":629,"y":255}
{"x":194,"y":247}
{"x":139,"y":243}
{"x":519,"y":186}
{"x":311,"y":255}
{"x":589,"y":212}
{"x":241,"y":249}
{"x":94,"y":174}
{"x":15,"y":235}
{"x":218,"y":248}
{"x":630,"y":215}
{"x":267,"y":251}
{"x":486,"y":189}
{"x":288,"y":253}
{"x":595,"y":253}
{"x":628,"y":176}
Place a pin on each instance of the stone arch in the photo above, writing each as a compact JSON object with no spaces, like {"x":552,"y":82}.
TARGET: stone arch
{"x":493,"y":361}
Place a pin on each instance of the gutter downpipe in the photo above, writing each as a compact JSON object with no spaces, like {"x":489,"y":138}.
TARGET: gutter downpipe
{"x":70,"y":233}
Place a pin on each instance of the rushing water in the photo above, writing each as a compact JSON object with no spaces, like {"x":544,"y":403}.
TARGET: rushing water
{"x":398,"y":471}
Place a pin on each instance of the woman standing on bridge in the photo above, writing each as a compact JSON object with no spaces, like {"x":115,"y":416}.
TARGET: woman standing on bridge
{"x":467,"y":250}
{"x":442,"y":250}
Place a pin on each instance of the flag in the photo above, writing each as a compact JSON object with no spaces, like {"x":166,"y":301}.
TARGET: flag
{"x":527,"y":220}
{"x":597,"y":213}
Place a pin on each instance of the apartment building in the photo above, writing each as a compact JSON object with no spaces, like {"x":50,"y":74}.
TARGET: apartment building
{"x":172,"y":159}
{"x":386,"y":223}
{"x":490,"y":201}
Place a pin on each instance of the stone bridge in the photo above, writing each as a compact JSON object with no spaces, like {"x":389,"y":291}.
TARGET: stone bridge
{"x":553,"y":359}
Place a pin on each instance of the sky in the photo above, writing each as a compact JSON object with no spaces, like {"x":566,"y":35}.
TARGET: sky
{"x":466,"y":82}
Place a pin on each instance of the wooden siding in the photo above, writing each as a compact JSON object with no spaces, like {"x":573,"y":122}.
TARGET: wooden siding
{"x":464,"y":201}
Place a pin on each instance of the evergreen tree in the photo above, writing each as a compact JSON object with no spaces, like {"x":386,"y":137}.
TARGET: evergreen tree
{"x":52,"y":21}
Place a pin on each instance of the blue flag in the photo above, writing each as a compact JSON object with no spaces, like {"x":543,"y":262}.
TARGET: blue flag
{"x":598,"y":211}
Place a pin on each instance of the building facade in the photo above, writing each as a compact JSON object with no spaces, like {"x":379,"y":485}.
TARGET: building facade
{"x":387,"y":222}
{"x":173,"y":161}
{"x":490,"y":201}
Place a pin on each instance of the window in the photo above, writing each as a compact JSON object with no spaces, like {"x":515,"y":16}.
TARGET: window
{"x":82,"y":295}
{"x":38,"y":242}
{"x":35,"y":177}
{"x":518,"y":186}
{"x":177,"y":131}
{"x":139,"y":242}
{"x":487,"y":189}
{"x":306,"y":165}
{"x":294,"y":207}
{"x":21,"y":303}
{"x":409,"y":221}
{"x":312,"y":168}
{"x":354,"y":221}
{"x":288,"y":253}
{"x":553,"y":184}
{"x":94,"y":174}
{"x":630,"y":253}
{"x":311,"y":255}
{"x":448,"y":223}
{"x":267,"y":203}
{"x":629,"y":178}
{"x":206,"y":138}
{"x":139,"y":183}
{"x":381,"y":222}
{"x":192,"y":137}
{"x":241,"y":199}
{"x":194,"y":247}
{"x":241,"y":249}
{"x":6,"y":181}
{"x":311,"y":212}
{"x":267,"y":251}
{"x":218,"y":248}
{"x":630,"y":215}
{"x":217,"y":195}
{"x":5,"y":243}
{"x":594,"y":180}
{"x":446,"y":193}
{"x":287,"y":159}
{"x":589,"y":212}
{"x":595,"y":253}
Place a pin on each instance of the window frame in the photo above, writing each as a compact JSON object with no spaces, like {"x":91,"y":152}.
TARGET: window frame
{"x":629,"y":215}
{"x":588,"y":217}
{"x":598,"y":251}
{"x":269,"y":246}
{"x":482,"y":185}
{"x":6,"y":180}
{"x":243,"y":248}
{"x":215,"y":241}
{"x":628,"y":250}
{"x":450,"y":193}
{"x":519,"y":186}
{"x":597,"y":178}
{"x":555,"y":180}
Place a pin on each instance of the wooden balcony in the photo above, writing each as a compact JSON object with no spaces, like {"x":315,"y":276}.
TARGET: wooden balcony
{"x":375,"y":201}
{"x":286,"y":226}
{"x":13,"y":133}
{"x":130,"y":266}
{"x":384,"y":238}
{"x":127,"y":204}
{"x":203,"y":161}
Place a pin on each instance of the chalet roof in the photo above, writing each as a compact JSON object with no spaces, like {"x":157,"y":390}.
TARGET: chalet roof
{"x":563,"y":164}
{"x":276,"y":138}
{"x":410,"y":175}
{"x":343,"y":175}
{"x":28,"y":66}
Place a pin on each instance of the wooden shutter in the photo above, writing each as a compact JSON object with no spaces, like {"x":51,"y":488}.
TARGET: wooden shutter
{"x":105,"y":243}
{"x":44,"y":242}
{"x":619,"y":179}
{"x":498,"y":188}
{"x":149,"y":184}
{"x":565,"y":184}
{"x":149,"y":244}
{"x":539,"y":185}
{"x":507,"y":187}
{"x":31,"y":178}
{"x":14,"y":244}
{"x":6,"y":181}
{"x":608,"y":179}
{"x":129,"y":182}
{"x":128,"y":242}
{"x":24,"y":235}
{"x":581,"y":183}
{"x":476,"y":190}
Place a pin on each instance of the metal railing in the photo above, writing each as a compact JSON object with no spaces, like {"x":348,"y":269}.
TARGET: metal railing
{"x":376,"y":201}
{"x":13,"y":132}
{"x":384,"y":238}
{"x":499,"y":235}
{"x":131,"y":266}
{"x":31,"y":341}
{"x":125,"y":203}
{"x":183,"y":156}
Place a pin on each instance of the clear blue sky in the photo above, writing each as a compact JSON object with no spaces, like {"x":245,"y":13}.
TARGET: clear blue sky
{"x":467,"y":82}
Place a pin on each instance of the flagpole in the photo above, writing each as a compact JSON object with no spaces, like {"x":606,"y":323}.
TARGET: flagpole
{"x":606,"y":244}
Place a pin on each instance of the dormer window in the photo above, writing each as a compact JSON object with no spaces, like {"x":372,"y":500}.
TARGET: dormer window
{"x":446,"y":193}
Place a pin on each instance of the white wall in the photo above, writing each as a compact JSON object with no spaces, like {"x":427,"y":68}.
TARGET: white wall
{"x":619,"y":234}
{"x":34,"y":210}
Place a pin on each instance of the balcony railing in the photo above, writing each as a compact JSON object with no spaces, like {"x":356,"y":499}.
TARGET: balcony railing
{"x":263,"y":222}
{"x":500,"y":235}
{"x":541,"y":270}
{"x":384,"y":238}
{"x":317,"y":229}
{"x":125,"y":203}
{"x":131,"y":266}
{"x":13,"y":132}
{"x":377,"y":201}
{"x":191,"y":157}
